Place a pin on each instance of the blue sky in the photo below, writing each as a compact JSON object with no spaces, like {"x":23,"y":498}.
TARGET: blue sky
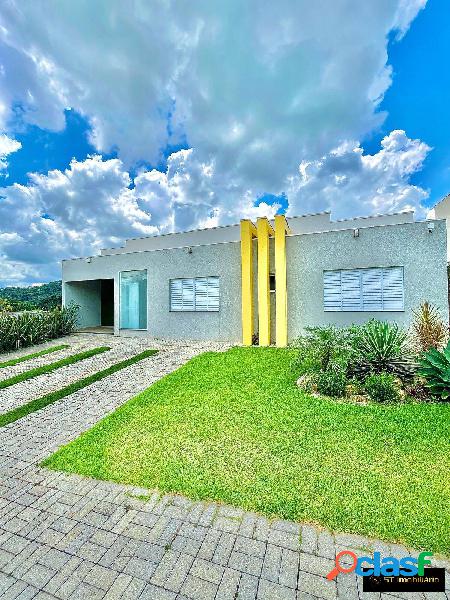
{"x":419,"y":98}
{"x":197,"y":126}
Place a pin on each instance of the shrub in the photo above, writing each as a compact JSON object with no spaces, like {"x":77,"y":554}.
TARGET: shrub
{"x":381,"y":347}
{"x":435,"y":367}
{"x":417,"y":389}
{"x":332,"y":382}
{"x":307,"y":382}
{"x":382,"y":387}
{"x":5,"y":305}
{"x":428,"y":328}
{"x":320,"y":348}
{"x":28,"y":328}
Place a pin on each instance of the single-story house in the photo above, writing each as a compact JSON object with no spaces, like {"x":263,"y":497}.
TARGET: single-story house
{"x":266,"y":280}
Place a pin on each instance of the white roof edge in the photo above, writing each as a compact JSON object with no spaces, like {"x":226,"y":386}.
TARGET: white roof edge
{"x":315,"y":214}
{"x":371,"y":227}
{"x":145,"y":237}
{"x":237,"y":241}
{"x":376,"y":216}
{"x":447,"y":197}
{"x":222,"y":227}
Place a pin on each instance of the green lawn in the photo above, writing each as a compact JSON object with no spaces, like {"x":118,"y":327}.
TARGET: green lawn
{"x":233,"y":427}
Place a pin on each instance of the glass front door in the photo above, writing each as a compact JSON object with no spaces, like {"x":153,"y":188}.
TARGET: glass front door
{"x":133,"y":300}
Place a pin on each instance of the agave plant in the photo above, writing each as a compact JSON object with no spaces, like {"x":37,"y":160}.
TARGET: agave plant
{"x":380,"y":347}
{"x":435,"y":367}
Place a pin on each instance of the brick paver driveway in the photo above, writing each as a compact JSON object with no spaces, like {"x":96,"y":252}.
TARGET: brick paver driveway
{"x":65,"y":536}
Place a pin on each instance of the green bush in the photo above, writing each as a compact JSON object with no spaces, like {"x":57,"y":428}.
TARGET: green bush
{"x":29,"y":328}
{"x":435,"y":367}
{"x":380,"y":347}
{"x":332,"y":382}
{"x":417,"y":389}
{"x":5,"y":305}
{"x":321,"y":348}
{"x":382,"y":387}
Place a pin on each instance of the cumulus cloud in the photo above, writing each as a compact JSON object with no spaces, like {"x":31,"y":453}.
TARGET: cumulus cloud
{"x":255,"y":87}
{"x":348,"y":182}
{"x":67,"y":213}
{"x":95,"y":204}
{"x":7,"y":146}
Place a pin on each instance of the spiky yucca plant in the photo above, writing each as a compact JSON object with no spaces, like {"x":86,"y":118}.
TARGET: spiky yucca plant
{"x":381,"y":347}
{"x":435,"y":367}
{"x":428,"y":328}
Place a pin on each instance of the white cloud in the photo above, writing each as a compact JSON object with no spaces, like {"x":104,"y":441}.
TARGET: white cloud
{"x":347,"y":181}
{"x":93,"y":204}
{"x":63,"y":214}
{"x":255,"y":88}
{"x":7,"y":146}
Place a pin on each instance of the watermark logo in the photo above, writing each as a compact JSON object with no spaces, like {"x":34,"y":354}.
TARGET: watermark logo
{"x":390,"y":573}
{"x":388,"y":566}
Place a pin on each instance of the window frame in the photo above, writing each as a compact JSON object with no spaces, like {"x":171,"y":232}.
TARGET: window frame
{"x":362,"y":309}
{"x":194,"y":310}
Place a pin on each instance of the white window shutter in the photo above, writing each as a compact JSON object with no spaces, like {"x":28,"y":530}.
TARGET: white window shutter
{"x":213,"y":294}
{"x":176,"y":294}
{"x":369,"y":290}
{"x":393,"y":293}
{"x":351,"y":290}
{"x":188,"y":294}
{"x":332,"y":297}
{"x":199,"y":294}
{"x":372,"y":296}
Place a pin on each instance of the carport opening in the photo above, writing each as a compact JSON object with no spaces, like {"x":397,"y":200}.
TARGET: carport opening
{"x":107,"y":302}
{"x":95,"y":299}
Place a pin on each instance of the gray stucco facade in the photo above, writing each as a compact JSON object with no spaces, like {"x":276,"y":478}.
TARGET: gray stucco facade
{"x":394,"y":240}
{"x":421,"y":254}
{"x":221,"y":260}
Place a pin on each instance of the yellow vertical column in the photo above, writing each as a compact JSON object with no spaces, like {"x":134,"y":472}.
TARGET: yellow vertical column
{"x":248,"y":232}
{"x":264,"y":230}
{"x":281,"y":228}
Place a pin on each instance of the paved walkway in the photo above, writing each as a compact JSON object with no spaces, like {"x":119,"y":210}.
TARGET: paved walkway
{"x":63,"y":536}
{"x":13,"y":396}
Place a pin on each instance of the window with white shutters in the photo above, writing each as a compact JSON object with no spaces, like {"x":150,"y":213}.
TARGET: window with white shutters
{"x":199,"y":294}
{"x":355,"y":290}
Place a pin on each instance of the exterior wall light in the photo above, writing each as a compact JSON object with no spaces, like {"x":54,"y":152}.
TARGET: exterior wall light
{"x":356,"y":233}
{"x":189,"y":250}
{"x":89,"y":259}
{"x":430,"y":227}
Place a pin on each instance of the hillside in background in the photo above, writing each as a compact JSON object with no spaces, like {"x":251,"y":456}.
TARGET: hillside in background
{"x":46,"y":296}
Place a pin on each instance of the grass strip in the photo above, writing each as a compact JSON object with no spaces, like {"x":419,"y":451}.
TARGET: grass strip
{"x":34,"y":405}
{"x":69,"y":360}
{"x":16,"y":361}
